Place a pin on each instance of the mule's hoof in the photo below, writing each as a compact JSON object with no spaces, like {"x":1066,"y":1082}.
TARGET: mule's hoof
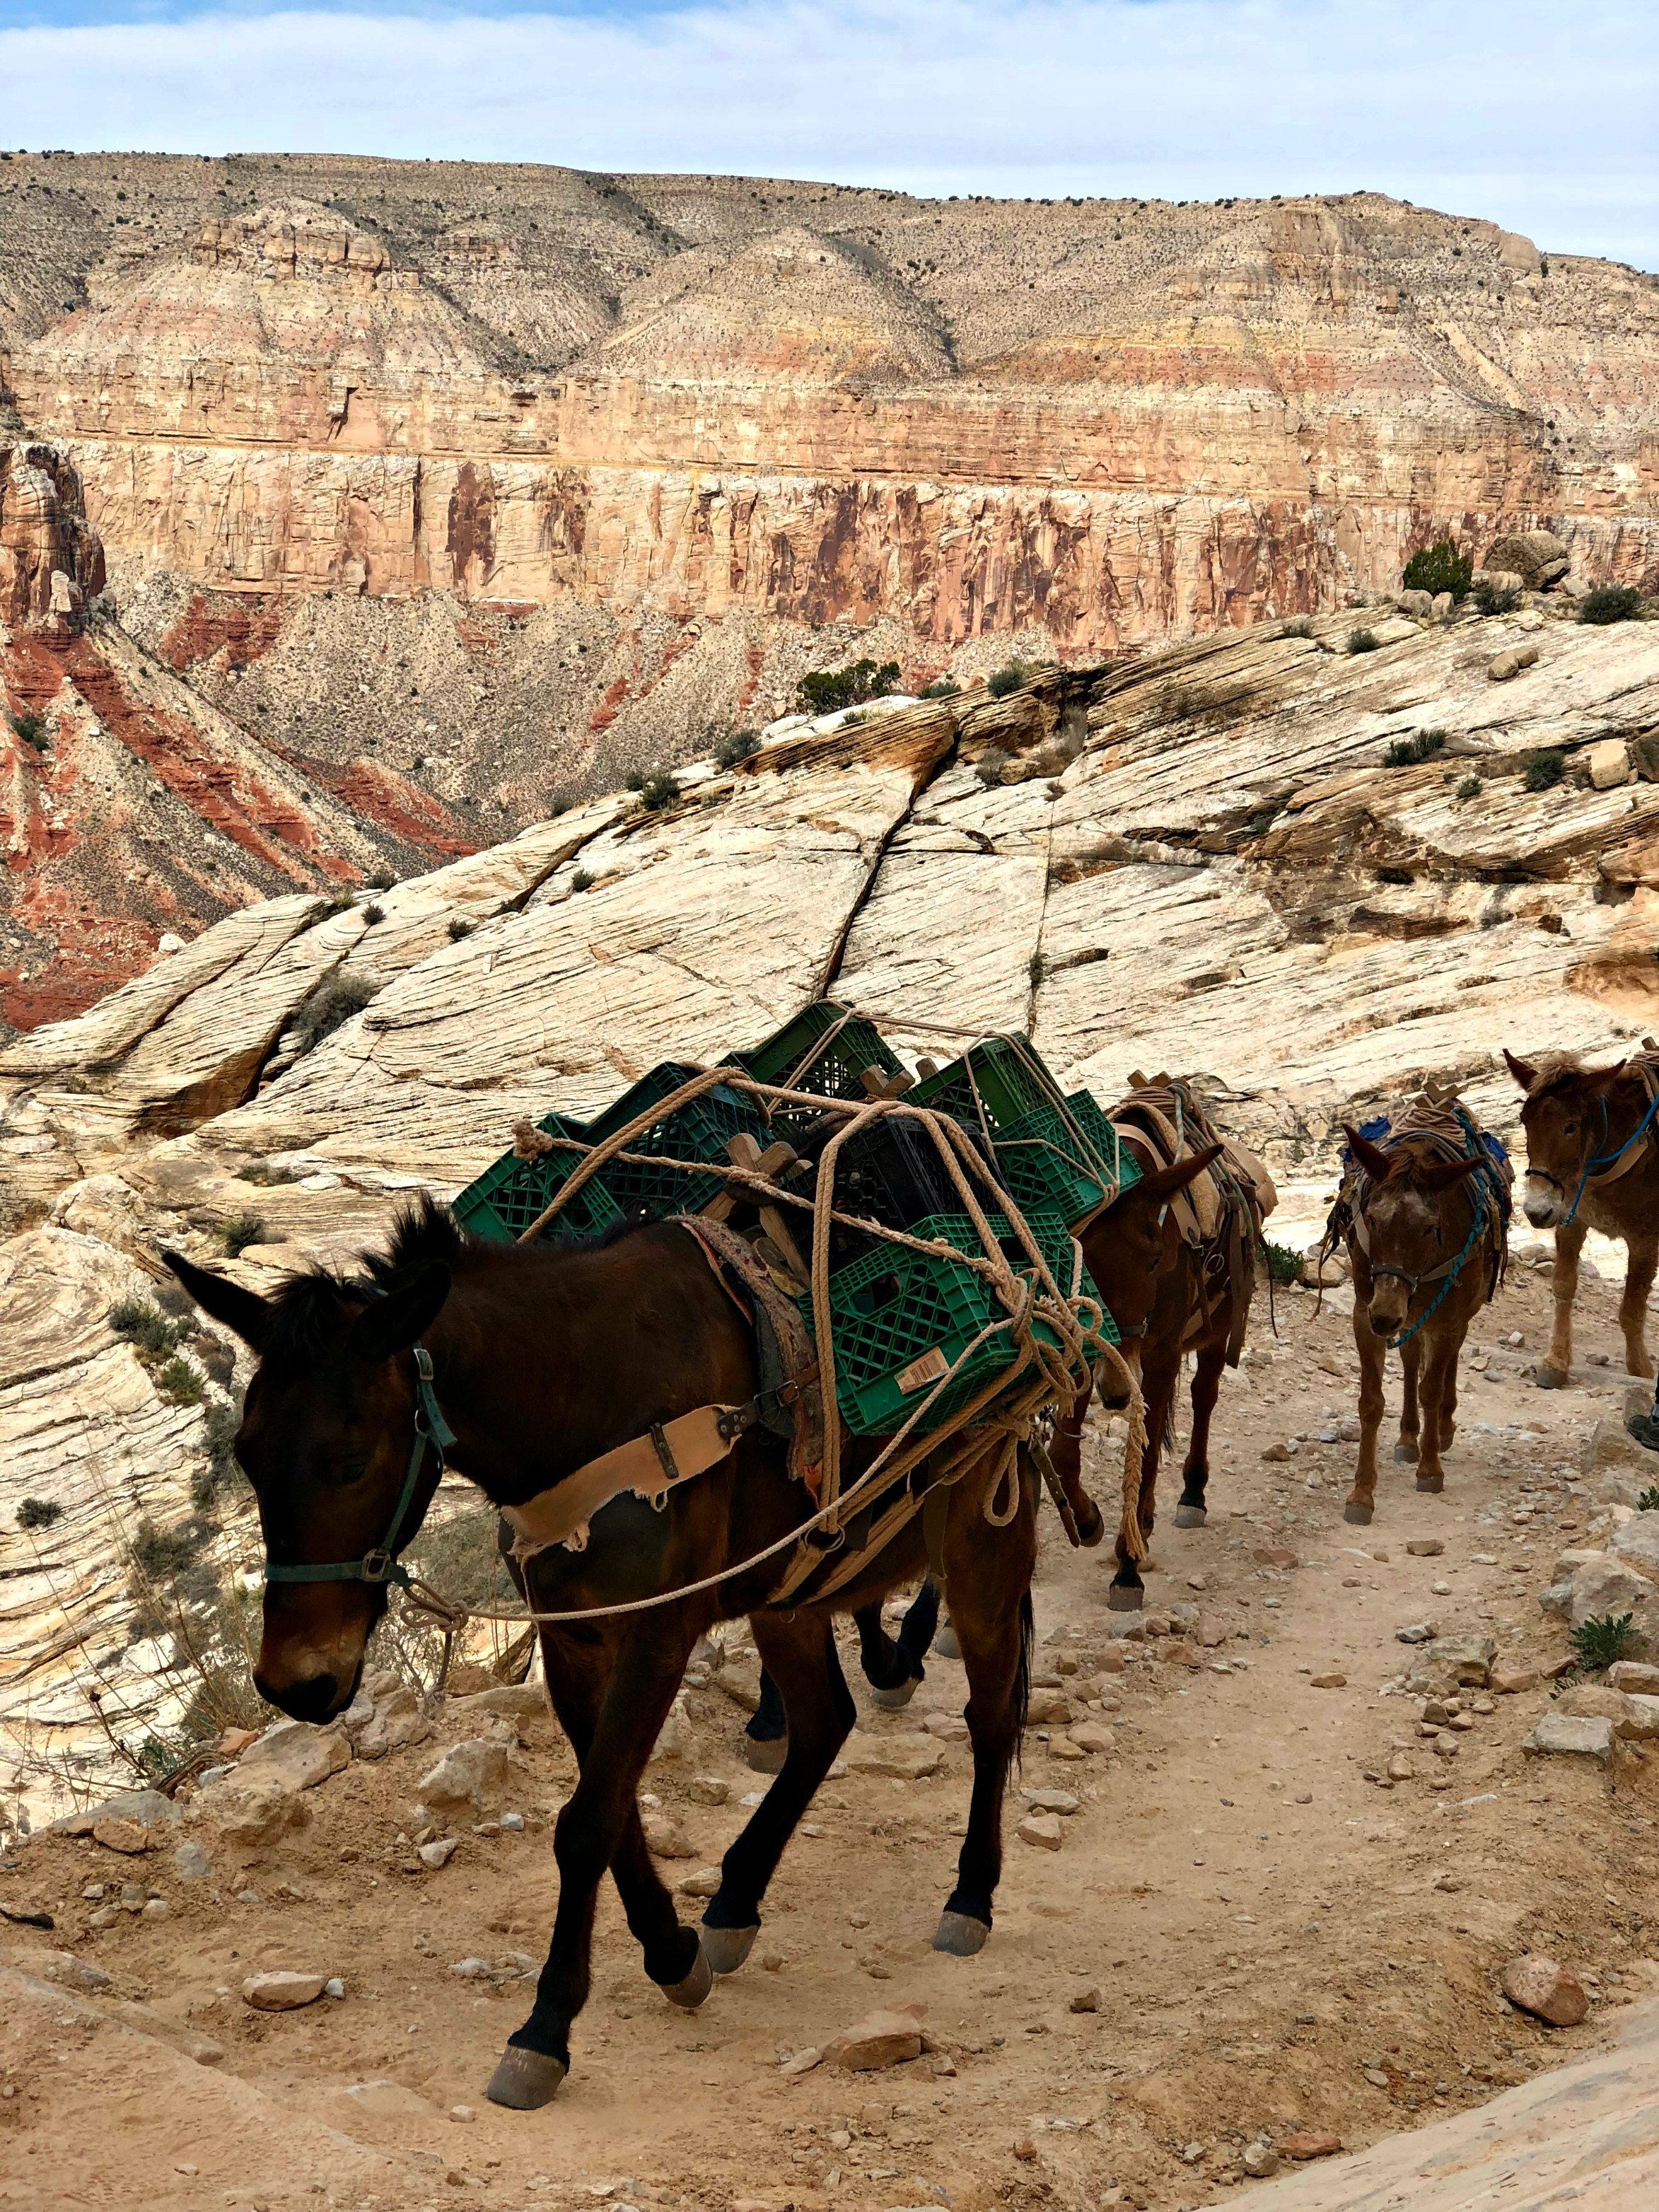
{"x":725,"y":1948}
{"x":766,"y":1754}
{"x":1432,"y":1482}
{"x":1359,"y":1514}
{"x":1125,"y":1597}
{"x":945,"y":1641}
{"x":961,"y":1935}
{"x":1191,"y":1516}
{"x":1406,"y":1454}
{"x":524,"y":2080}
{"x":1551,"y":1378}
{"x":893,"y":1700}
{"x":690,"y":1994}
{"x":1091,"y":1529}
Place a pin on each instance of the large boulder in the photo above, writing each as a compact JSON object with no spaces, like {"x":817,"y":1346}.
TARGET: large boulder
{"x":1537,"y":555}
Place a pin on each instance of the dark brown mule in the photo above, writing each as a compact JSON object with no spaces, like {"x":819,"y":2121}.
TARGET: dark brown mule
{"x":543,"y":1359}
{"x":1194,"y":1297}
{"x":1592,"y":1162}
{"x":1425,"y":1239}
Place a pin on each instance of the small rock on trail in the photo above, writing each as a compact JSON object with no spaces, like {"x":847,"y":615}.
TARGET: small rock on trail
{"x":282,"y":1992}
{"x":884,"y":2038}
{"x":1542,"y":1986}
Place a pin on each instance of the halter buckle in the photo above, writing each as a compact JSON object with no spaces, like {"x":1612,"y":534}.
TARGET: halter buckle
{"x":376,"y":1566}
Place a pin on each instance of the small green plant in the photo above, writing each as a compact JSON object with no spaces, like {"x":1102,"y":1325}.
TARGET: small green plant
{"x":373,"y":914}
{"x":1284,"y":1266}
{"x":1541,"y":771}
{"x":31,"y":730}
{"x":179,"y":1382}
{"x":159,"y":1552}
{"x":657,"y":788}
{"x":1496,"y":599}
{"x":1649,"y":1500}
{"x":263,"y":1173}
{"x":1298,"y":626}
{"x":827,"y":690}
{"x":330,"y":1009}
{"x":990,"y":764}
{"x":1013,"y":676}
{"x":459,"y":928}
{"x":1469,"y":789}
{"x":381,"y":880}
{"x":943,"y":687}
{"x":1600,"y":1641}
{"x":737,"y":745}
{"x":1439,"y":568}
{"x":39,"y":1513}
{"x":581,"y":881}
{"x":239,"y":1232}
{"x":1612,"y":602}
{"x":1036,"y":967}
{"x":326,"y":908}
{"x":146,"y":1328}
{"x":1363,"y":641}
{"x":220,"y":1471}
{"x":1421,"y":745}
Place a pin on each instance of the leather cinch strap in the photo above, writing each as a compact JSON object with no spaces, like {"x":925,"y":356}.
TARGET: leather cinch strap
{"x":669,"y":1453}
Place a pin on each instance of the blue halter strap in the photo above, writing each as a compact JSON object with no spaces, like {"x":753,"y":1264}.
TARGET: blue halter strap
{"x":1594,"y":1166}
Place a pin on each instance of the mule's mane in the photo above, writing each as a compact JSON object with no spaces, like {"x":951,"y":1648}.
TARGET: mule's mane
{"x":1555,"y":1071}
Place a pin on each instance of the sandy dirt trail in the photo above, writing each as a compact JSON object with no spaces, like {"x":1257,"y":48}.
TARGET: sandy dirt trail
{"x":1268,"y":1936}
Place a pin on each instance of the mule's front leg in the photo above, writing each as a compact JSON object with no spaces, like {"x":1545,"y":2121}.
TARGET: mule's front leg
{"x":1410,"y":1446}
{"x":600,"y":1823}
{"x":1439,"y":1399}
{"x":799,"y":1652}
{"x":1362,"y":1498}
{"x":1192,"y":1512}
{"x":1564,"y":1284}
{"x":1640,"y":1266}
{"x":1127,"y":1592}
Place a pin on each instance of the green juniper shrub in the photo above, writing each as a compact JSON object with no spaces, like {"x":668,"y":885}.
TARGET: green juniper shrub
{"x":1284,"y":1266}
{"x":31,"y":730}
{"x":582,"y":880}
{"x":1421,"y":745}
{"x":458,"y":929}
{"x":657,"y":788}
{"x":1469,"y":789}
{"x":1363,"y":641}
{"x":1013,"y":676}
{"x":1612,"y":602}
{"x":1496,"y":599}
{"x":179,"y":1382}
{"x":371,"y":914}
{"x":39,"y":1513}
{"x":1541,"y":771}
{"x":943,"y":687}
{"x":827,"y":690}
{"x":330,"y":1009}
{"x":1600,"y":1641}
{"x":239,"y":1232}
{"x":1439,"y":568}
{"x":736,"y":746}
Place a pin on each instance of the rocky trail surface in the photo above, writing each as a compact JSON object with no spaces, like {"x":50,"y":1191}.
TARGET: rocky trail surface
{"x":1255,"y":1909}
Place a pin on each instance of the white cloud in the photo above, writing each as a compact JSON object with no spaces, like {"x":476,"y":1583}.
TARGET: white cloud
{"x":1536,"y":116}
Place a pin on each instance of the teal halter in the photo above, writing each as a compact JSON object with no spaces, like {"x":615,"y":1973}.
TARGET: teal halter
{"x":381,"y":1565}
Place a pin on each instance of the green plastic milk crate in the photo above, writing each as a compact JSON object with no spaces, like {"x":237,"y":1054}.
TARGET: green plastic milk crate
{"x":505,"y":1199}
{"x":1011,"y":1084}
{"x":792,"y":1056}
{"x":697,"y":1131}
{"x":901,"y":1318}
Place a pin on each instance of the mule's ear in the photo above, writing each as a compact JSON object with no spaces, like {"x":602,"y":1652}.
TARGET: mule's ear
{"x":1523,"y":1071}
{"x":1163,"y":1182}
{"x":393,"y":1323}
{"x":1371,"y":1157}
{"x":243,"y":1311}
{"x":1443,"y":1174}
{"x":1596,"y":1080}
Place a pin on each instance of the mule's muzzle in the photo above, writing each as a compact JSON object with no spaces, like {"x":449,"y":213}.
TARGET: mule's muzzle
{"x":313,"y":1698}
{"x":1542,"y":1201}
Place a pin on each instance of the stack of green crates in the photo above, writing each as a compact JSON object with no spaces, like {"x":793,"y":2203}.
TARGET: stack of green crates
{"x":1011,"y":1084}
{"x":506,"y":1199}
{"x":893,"y":1308}
{"x":796,"y":1058}
{"x":699,"y":1130}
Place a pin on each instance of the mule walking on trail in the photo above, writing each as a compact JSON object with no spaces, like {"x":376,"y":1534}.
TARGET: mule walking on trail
{"x":1592,"y":1162}
{"x":1189,"y":1289}
{"x":1424,"y":1213}
{"x":529,"y":1363}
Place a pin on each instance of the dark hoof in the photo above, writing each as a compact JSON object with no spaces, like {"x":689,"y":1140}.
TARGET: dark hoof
{"x":1435,"y":1483}
{"x":893,"y":1700}
{"x":1359,"y":1514}
{"x":1125,"y":1597}
{"x":1407,"y":1455}
{"x":1191,"y":1516}
{"x":1090,"y":1528}
{"x":690,"y":1994}
{"x":524,"y":2080}
{"x":725,"y":1948}
{"x":961,"y":1935}
{"x":1551,"y":1378}
{"x":766,"y":1755}
{"x":1644,"y":1430}
{"x":945,"y":1642}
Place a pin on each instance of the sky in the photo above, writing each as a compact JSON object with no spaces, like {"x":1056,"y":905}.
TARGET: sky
{"x":1539,"y":116}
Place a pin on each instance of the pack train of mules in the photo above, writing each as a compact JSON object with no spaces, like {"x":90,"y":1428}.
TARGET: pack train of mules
{"x":579,"y":1386}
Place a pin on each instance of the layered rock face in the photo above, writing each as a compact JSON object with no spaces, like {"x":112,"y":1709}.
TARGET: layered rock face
{"x":693,"y":398}
{"x":130,"y":809}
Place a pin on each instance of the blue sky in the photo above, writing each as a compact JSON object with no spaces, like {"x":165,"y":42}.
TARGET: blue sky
{"x":1538,"y":116}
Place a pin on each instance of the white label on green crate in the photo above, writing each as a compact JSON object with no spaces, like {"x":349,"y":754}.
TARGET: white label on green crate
{"x":930,"y":1368}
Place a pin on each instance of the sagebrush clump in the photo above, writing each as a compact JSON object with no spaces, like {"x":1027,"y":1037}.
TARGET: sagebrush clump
{"x":330,"y":1009}
{"x":1013,"y":676}
{"x":1540,"y":771}
{"x":1421,"y":745}
{"x":737,"y":745}
{"x":1363,"y":641}
{"x":657,"y":788}
{"x":1612,"y":602}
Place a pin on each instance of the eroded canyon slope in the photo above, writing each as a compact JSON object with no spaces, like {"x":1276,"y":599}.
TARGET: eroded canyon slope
{"x":509,"y":474}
